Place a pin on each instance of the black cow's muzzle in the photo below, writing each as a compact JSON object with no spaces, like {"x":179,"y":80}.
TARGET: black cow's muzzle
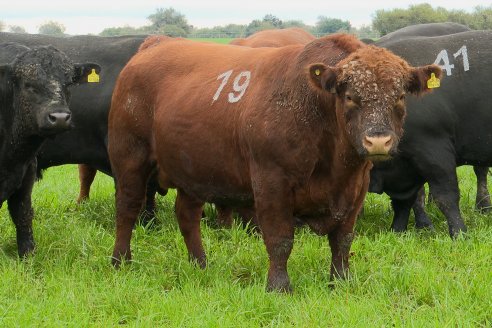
{"x":53,"y":122}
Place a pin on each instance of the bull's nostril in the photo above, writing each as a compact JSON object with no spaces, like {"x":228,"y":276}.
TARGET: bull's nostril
{"x":52,"y":118}
{"x":378,"y":144}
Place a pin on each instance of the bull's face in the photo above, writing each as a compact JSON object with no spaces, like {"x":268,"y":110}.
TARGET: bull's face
{"x":370,"y":87}
{"x":41,"y":78}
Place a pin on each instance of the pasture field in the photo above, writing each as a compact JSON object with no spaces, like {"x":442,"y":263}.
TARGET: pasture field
{"x":215,"y":40}
{"x":415,"y":279}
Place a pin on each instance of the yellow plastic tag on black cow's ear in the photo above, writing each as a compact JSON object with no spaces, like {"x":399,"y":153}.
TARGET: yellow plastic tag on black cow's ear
{"x":93,"y":77}
{"x":433,"y":82}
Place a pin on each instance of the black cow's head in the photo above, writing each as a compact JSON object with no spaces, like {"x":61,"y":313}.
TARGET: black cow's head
{"x":37,"y":84}
{"x":370,"y":87}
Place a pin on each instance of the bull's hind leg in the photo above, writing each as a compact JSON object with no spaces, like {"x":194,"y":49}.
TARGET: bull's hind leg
{"x":131,"y":174}
{"x":86,"y":177}
{"x":21,"y":211}
{"x":189,"y":213}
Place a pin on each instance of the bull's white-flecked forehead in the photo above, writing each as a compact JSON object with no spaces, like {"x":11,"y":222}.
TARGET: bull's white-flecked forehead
{"x":373,"y":73}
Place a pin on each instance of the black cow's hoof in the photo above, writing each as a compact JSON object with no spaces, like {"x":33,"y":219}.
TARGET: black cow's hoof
{"x":424,"y":225}
{"x":25,"y":248}
{"x":398,"y":228}
{"x":455,"y":232}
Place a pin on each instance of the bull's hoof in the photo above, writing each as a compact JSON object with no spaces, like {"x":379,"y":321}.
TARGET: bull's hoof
{"x":119,"y":257}
{"x":201,"y":261}
{"x":280,"y":283}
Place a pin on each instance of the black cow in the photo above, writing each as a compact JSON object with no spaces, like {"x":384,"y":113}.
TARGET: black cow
{"x":438,"y":29}
{"x":428,"y":29}
{"x":86,"y":142}
{"x":33,"y":106}
{"x":449,"y":128}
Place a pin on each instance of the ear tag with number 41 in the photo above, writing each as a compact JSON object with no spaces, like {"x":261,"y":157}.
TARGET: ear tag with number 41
{"x":433,"y":82}
{"x":93,"y":77}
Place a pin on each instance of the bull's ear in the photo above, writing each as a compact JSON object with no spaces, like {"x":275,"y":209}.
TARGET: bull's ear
{"x":419,"y":76}
{"x":323,"y":77}
{"x":86,"y":72}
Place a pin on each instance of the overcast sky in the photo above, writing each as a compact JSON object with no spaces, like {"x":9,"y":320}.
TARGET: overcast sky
{"x":90,"y":16}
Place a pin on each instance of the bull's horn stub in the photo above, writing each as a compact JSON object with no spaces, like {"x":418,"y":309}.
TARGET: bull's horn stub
{"x":93,"y":77}
{"x":433,"y":82}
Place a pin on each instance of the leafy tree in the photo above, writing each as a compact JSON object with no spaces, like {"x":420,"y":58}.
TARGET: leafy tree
{"x":17,"y":29}
{"x":258,"y":25}
{"x":273,"y":20}
{"x":481,"y":19}
{"x":295,"y":23}
{"x":326,"y":25}
{"x":391,"y":20}
{"x":172,"y":30}
{"x":51,"y":28}
{"x":125,"y":30}
{"x":169,"y":16}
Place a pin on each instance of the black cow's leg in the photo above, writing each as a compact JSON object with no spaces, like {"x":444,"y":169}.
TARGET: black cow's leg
{"x":401,"y":209}
{"x":189,"y":213}
{"x":482,"y":203}
{"x":224,"y":216}
{"x":86,"y":176}
{"x":21,"y":211}
{"x":421,"y":218}
{"x":447,"y":196}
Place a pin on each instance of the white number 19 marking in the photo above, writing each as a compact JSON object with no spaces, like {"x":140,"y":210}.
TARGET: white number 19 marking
{"x":238,"y":87}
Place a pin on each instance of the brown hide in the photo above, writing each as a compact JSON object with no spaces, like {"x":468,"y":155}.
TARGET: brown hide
{"x":285,"y":129}
{"x":275,"y":38}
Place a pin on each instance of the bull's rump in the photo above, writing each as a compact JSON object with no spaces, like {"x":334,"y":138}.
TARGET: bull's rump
{"x":196,"y":128}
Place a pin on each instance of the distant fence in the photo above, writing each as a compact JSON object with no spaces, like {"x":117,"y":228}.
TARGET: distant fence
{"x":232,"y":35}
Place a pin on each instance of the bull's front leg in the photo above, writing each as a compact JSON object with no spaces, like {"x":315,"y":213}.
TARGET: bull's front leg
{"x":274,"y":210}
{"x":340,"y":242}
{"x":21,"y":211}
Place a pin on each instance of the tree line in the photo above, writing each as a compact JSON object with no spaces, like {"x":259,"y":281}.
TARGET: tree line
{"x":170,"y":22}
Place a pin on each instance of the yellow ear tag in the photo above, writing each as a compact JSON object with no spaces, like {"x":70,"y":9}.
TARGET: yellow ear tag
{"x":433,"y":82}
{"x":93,"y":77}
{"x":317,"y":72}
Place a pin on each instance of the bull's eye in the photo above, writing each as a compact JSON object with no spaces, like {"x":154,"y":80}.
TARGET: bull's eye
{"x":402,"y":97}
{"x":348,"y":98}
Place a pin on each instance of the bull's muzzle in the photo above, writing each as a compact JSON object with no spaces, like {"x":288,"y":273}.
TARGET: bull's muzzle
{"x":378,"y":147}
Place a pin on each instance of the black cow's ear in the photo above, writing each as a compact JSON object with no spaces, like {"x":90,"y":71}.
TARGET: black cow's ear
{"x":86,"y":72}
{"x":323,"y":77}
{"x":424,"y":79}
{"x":5,"y":84}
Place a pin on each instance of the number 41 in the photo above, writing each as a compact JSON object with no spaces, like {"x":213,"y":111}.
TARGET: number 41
{"x":443,"y":56}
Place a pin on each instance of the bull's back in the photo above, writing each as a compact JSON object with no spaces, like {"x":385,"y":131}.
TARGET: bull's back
{"x":199,"y":98}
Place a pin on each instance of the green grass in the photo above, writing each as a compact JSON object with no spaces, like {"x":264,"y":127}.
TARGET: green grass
{"x":214,"y":40}
{"x":414,"y":279}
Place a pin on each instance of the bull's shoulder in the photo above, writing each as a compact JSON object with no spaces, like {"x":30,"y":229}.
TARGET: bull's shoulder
{"x":154,"y":40}
{"x":346,"y":43}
